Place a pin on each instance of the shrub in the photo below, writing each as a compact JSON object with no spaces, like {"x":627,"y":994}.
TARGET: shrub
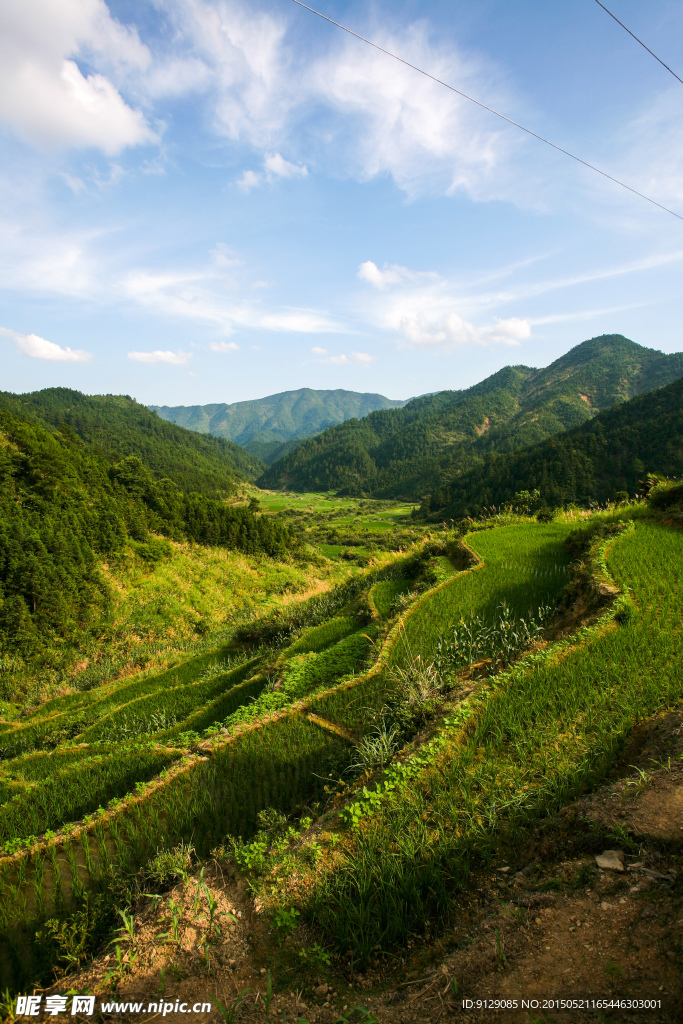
{"x":170,"y":865}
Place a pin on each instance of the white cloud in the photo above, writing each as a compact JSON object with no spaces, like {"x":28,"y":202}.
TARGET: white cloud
{"x":422,"y":309}
{"x":223,"y":256}
{"x":158,"y":356}
{"x":198,"y":295}
{"x":425,"y":309}
{"x":374,"y":116}
{"x":249,"y":180}
{"x":317,"y":351}
{"x":452,"y":329}
{"x":45,"y":97}
{"x":344,"y":360}
{"x":247,"y":62}
{"x":648,"y":153}
{"x":39,"y":348}
{"x":223,"y":346}
{"x":277,"y":167}
{"x":391,"y":275}
{"x":405,"y":125}
{"x":305,"y":321}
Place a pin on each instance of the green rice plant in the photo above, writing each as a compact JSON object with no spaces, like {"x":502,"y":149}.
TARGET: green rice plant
{"x":497,"y":640}
{"x":57,"y":885}
{"x":525,"y":744}
{"x":79,"y":788}
{"x":385,"y":594}
{"x":318,"y":638}
{"x":144,"y":714}
{"x":229,"y":1015}
{"x":525,"y":566}
{"x":63,"y":718}
{"x":306,"y":673}
{"x":354,"y":707}
{"x":38,"y":881}
{"x":168,"y":866}
{"x":76,"y":884}
{"x":218,"y":710}
{"x":377,"y":748}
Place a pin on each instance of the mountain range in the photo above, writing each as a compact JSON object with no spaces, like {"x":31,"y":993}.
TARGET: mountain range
{"x":269,"y":428}
{"x":424,"y":448}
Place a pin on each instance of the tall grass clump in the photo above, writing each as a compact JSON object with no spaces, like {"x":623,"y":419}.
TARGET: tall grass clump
{"x":496,"y":641}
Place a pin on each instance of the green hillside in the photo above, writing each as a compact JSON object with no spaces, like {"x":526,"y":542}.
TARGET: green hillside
{"x":419,"y":449}
{"x":271,"y":427}
{"x":118,"y":426}
{"x":588,"y":464}
{"x":66,"y":505}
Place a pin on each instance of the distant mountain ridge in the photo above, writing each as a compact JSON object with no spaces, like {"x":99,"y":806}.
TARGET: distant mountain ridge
{"x":270,"y":427}
{"x":417,"y":450}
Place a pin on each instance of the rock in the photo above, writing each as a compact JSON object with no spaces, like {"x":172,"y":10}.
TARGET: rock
{"x":503,"y":871}
{"x":224,"y":731}
{"x":610,"y":860}
{"x":605,"y":906}
{"x":320,"y":991}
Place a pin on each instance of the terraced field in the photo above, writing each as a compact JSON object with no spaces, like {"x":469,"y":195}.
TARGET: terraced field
{"x":92,"y":784}
{"x":523,"y":567}
{"x":520,"y":746}
{"x":278,"y":718}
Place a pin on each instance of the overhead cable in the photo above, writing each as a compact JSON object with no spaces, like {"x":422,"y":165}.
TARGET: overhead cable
{"x":509,"y":120}
{"x":639,"y":41}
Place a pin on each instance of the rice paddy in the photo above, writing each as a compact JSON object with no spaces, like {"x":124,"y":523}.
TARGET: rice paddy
{"x":93,"y":783}
{"x":533,"y":738}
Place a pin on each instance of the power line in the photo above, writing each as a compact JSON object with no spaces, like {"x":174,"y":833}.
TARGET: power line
{"x":639,"y":41}
{"x":509,"y":120}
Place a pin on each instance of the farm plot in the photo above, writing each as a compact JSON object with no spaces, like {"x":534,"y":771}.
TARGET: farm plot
{"x":384,"y":594}
{"x":70,"y":792}
{"x":61,"y":719}
{"x":261,"y":751}
{"x":42,"y":790}
{"x":525,"y":567}
{"x":165,"y":707}
{"x":539,"y":734}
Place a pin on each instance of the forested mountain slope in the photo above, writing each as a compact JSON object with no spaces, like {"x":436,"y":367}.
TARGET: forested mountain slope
{"x":416,"y":450}
{"x":118,"y":426}
{"x":590,"y":463}
{"x":270,"y":427}
{"x":65,"y":506}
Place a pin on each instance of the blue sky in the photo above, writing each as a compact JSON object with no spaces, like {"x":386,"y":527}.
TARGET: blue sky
{"x":216,"y":200}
